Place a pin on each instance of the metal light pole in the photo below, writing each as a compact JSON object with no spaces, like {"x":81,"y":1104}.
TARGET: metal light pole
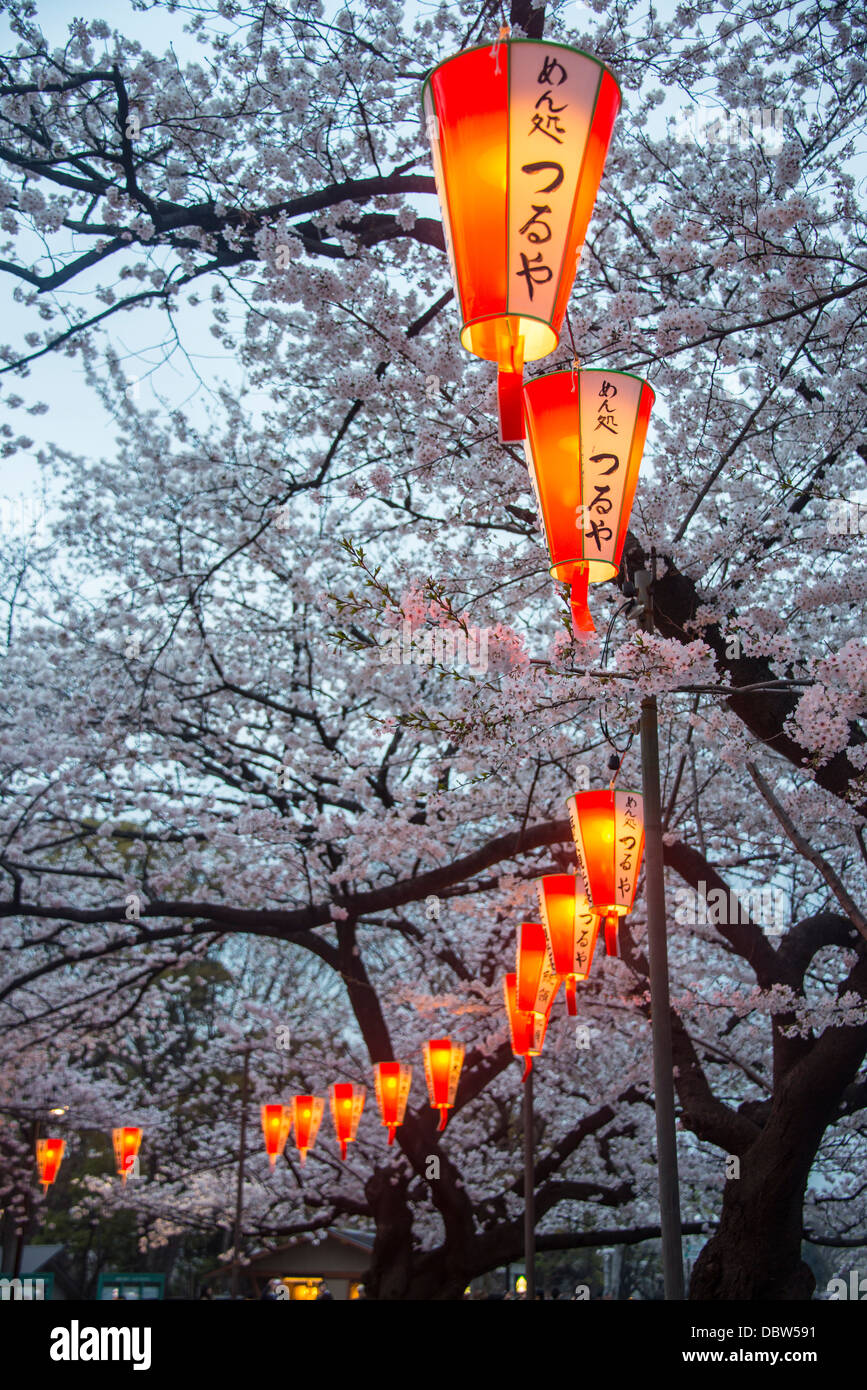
{"x":239,"y":1197}
{"x":529,"y":1192}
{"x":657,"y":950}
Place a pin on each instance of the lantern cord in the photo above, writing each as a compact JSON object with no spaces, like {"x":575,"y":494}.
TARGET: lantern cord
{"x":582,"y":622}
{"x":575,"y":363}
{"x":504,"y":33}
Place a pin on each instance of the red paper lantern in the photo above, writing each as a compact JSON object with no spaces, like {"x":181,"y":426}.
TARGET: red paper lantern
{"x":393,"y":1080}
{"x":49,"y":1154}
{"x":519,"y":134}
{"x":443,"y":1060}
{"x":306,"y":1118}
{"x":276,"y":1124}
{"x":571,"y":927}
{"x":526,"y":1030}
{"x":126,"y":1145}
{"x":584,"y":448}
{"x":347,"y":1103}
{"x":608,"y":830}
{"x":537,"y":982}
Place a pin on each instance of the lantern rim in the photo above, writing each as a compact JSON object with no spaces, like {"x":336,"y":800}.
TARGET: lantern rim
{"x":490,"y":354}
{"x":610,"y":570}
{"x":595,"y":791}
{"x":569,"y":371}
{"x":539,"y":43}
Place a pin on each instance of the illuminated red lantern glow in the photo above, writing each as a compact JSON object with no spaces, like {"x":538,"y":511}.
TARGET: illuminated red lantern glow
{"x":347,"y":1103}
{"x":49,"y":1155}
{"x":393,"y":1080}
{"x":584,"y":448}
{"x":276,"y":1125}
{"x":519,"y":134}
{"x":127,"y":1142}
{"x":526,"y":1030}
{"x":571,"y":927}
{"x":608,"y":831}
{"x":306,"y":1119}
{"x":537,"y":983}
{"x":443,"y":1060}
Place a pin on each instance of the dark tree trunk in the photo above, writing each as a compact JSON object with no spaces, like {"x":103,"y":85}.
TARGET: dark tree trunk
{"x":755,"y":1254}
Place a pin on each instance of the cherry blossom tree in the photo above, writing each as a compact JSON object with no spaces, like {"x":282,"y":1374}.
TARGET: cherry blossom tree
{"x":216,"y":738}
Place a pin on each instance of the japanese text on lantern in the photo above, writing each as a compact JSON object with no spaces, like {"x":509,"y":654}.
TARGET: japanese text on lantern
{"x":551,"y":104}
{"x":546,"y":121}
{"x":628,"y":841}
{"x":606,"y":419}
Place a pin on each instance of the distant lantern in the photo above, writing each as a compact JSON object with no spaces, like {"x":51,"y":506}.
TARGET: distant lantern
{"x":443,"y":1060}
{"x":393,"y":1080}
{"x":49,"y":1153}
{"x":347,"y":1103}
{"x":584,"y":447}
{"x":571,"y":926}
{"x":276,"y":1124}
{"x":608,"y":830}
{"x":537,"y":982}
{"x":126,"y":1146}
{"x":519,"y":134}
{"x":526,"y":1030}
{"x":306,"y":1118}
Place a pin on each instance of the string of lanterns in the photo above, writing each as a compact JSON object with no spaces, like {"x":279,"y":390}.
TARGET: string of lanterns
{"x":443,"y":1060}
{"x":49,"y":1154}
{"x":518,"y":152}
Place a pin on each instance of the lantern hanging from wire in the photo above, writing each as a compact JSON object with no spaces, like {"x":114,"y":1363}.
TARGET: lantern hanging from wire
{"x":276,"y":1125}
{"x":584,"y":447}
{"x":608,"y":830}
{"x":393,"y":1080}
{"x":347,"y":1103}
{"x":127,"y":1142}
{"x":49,"y":1155}
{"x":519,"y":135}
{"x":571,"y":927}
{"x":526,"y":1030}
{"x":306,"y":1119}
{"x":443,"y":1060}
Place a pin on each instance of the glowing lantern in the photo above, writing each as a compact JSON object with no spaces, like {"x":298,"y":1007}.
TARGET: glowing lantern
{"x":443,"y":1060}
{"x":347,"y":1103}
{"x":571,"y":927}
{"x":49,"y":1153}
{"x":306,"y":1117}
{"x":519,"y":135}
{"x":276,"y":1124}
{"x":526,"y":1030}
{"x":537,"y":983}
{"x":584,"y":446}
{"x":126,"y":1146}
{"x":393,"y":1080}
{"x":608,"y":830}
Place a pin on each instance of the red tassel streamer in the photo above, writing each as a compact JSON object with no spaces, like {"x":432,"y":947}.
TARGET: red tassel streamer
{"x":510,"y":399}
{"x":612,"y":944}
{"x":581,"y":619}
